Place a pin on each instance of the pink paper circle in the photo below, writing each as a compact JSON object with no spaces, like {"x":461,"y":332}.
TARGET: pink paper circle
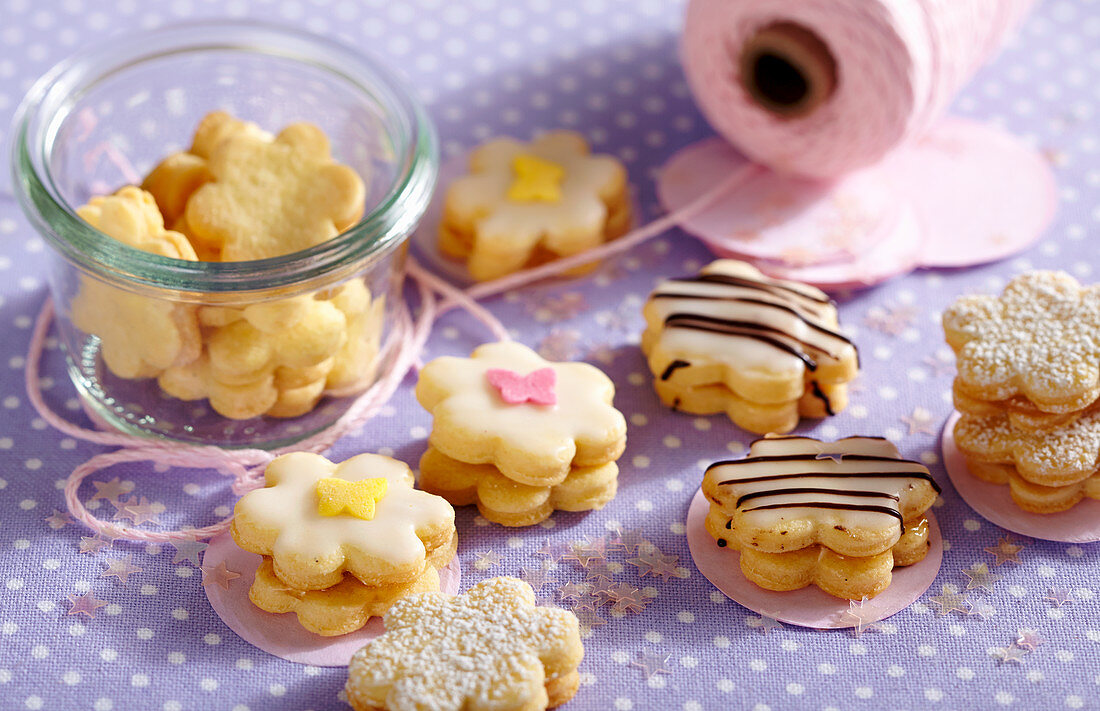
{"x":896,"y":254}
{"x":981,"y":194}
{"x":993,"y":502}
{"x":778,"y":217}
{"x":281,"y":635}
{"x":808,"y":607}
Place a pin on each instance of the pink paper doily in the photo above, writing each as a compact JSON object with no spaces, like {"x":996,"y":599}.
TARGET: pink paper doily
{"x":281,"y":635}
{"x":993,"y":502}
{"x":974,"y":194}
{"x":808,"y":607}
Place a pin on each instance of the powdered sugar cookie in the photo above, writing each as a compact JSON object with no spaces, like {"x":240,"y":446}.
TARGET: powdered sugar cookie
{"x":487,"y":650}
{"x":1040,"y":339}
{"x":520,"y":199}
{"x":532,"y":419}
{"x":317,"y":519}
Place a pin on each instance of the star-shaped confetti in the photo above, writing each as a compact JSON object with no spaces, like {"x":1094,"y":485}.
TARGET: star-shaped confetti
{"x":984,"y":610}
{"x":537,"y":578}
{"x":120,"y":568}
{"x":611,"y":593}
{"x":863,"y":615}
{"x":1059,"y":596}
{"x":892,"y":321}
{"x":597,"y":570}
{"x":111,"y":490}
{"x":951,"y":600}
{"x":630,"y":540}
{"x":58,"y":519}
{"x":942,"y":363}
{"x":486,"y":559}
{"x":588,"y":617}
{"x":218,"y":575}
{"x":93,"y":544}
{"x":979,"y":577}
{"x":572,"y":591}
{"x":143,"y":512}
{"x":188,"y":551}
{"x":654,"y":562}
{"x":551,"y":551}
{"x":920,"y":421}
{"x":581,"y":553}
{"x":122,"y":507}
{"x":1029,"y":639}
{"x":767,"y":623}
{"x":1010,"y":654}
{"x":85,"y":604}
{"x":1005,"y":551}
{"x":587,"y":601}
{"x":651,"y":664}
{"x":631,"y":599}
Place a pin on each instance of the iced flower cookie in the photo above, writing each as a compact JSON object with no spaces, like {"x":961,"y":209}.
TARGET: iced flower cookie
{"x":526,"y":203}
{"x":1040,"y":339}
{"x":487,"y":650}
{"x":317,"y":519}
{"x":840,"y":515}
{"x":139,"y":336}
{"x":762,"y":350}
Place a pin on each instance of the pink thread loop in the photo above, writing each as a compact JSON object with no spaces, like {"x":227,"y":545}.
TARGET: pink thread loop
{"x":406,"y":343}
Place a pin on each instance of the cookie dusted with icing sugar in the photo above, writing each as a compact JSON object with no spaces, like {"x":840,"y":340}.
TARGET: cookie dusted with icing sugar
{"x":490,"y":649}
{"x":854,"y":496}
{"x":532,"y":419}
{"x":527,"y":203}
{"x":1039,"y":339}
{"x":734,"y":340}
{"x":317,"y":519}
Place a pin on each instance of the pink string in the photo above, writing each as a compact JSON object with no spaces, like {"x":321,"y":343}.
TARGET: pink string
{"x":407,"y":340}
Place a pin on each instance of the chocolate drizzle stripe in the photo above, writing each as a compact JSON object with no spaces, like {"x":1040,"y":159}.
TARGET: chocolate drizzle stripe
{"x":820,"y":395}
{"x":759,"y":302}
{"x":673,"y":367}
{"x":814,"y":490}
{"x":744,"y":329}
{"x":829,"y":505}
{"x":838,"y":475}
{"x":751,"y":284}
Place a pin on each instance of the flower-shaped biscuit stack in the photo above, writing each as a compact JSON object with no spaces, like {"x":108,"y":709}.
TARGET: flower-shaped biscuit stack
{"x":1028,"y":387}
{"x":342,"y":541}
{"x":140,"y":336}
{"x":838,"y":515}
{"x":518,"y":435}
{"x":527,"y":203}
{"x":764,"y":351}
{"x":490,"y":649}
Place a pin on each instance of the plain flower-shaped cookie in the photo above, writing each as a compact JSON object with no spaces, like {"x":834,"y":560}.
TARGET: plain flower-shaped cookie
{"x":311,"y":550}
{"x":488,"y":650}
{"x":140,"y":336}
{"x":487,"y":410}
{"x":270,"y":198}
{"x":1040,"y":338}
{"x":550,"y":193}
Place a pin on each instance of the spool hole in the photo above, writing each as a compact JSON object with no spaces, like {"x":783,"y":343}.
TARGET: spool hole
{"x":787,"y":69}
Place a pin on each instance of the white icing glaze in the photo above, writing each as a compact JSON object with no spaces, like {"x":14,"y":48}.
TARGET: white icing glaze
{"x":288,"y":503}
{"x":811,"y":470}
{"x":791,"y":313}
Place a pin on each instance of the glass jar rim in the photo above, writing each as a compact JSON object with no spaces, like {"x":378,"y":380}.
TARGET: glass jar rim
{"x":380,"y":230}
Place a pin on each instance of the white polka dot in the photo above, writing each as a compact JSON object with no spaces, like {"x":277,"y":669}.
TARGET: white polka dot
{"x":794,"y":688}
{"x":71,"y":678}
{"x":208,"y":684}
{"x":864,"y":692}
{"x":139,"y":680}
{"x":964,"y":673}
{"x":1004,"y":698}
{"x":685,"y":616}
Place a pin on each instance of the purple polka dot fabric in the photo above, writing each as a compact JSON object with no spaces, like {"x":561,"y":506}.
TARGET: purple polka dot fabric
{"x":143,"y":635}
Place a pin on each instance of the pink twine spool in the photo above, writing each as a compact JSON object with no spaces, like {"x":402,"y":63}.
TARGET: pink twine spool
{"x":819,"y":88}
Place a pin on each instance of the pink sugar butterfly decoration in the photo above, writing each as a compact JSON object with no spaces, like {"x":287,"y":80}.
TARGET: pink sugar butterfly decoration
{"x":536,"y":387}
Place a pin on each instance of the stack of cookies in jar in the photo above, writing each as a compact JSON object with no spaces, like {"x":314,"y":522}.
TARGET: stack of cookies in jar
{"x":1027,"y":388}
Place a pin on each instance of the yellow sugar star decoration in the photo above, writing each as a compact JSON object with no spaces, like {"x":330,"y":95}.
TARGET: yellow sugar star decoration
{"x":358,"y":498}
{"x":537,"y":179}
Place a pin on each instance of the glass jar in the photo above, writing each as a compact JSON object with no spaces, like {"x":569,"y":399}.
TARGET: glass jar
{"x":224,"y":353}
